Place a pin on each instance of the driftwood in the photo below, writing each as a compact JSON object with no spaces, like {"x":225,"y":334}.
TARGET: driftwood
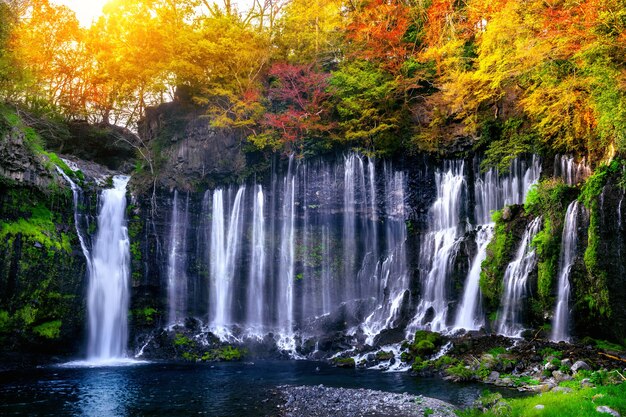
{"x":616,"y":358}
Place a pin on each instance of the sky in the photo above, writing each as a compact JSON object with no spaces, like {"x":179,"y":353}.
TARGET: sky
{"x":86,"y":10}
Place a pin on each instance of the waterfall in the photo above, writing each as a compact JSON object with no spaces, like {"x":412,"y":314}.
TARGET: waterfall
{"x":569,"y":240}
{"x":515,"y":283}
{"x":391,"y":274}
{"x":439,"y":248}
{"x":354,"y":187}
{"x":469,"y":315}
{"x":572,"y":172}
{"x":492,"y":191}
{"x":78,"y":219}
{"x":177,"y":265}
{"x":256,"y":286}
{"x":108,"y":294}
{"x":286,"y":272}
{"x":225,"y":243}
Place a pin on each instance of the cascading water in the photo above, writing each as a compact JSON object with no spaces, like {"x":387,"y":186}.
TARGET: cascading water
{"x":78,"y":219}
{"x":516,"y":283}
{"x":286,"y":272}
{"x":108,"y":294}
{"x":224,"y":249}
{"x":177,"y":264}
{"x":391,"y":275}
{"x":569,"y":240}
{"x":571,"y":171}
{"x":469,"y":315}
{"x":294,"y":273}
{"x":439,"y":248}
{"x":492,"y":191}
{"x":256,"y":316}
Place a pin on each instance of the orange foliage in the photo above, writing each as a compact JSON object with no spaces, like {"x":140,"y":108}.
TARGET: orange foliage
{"x":378,"y":30}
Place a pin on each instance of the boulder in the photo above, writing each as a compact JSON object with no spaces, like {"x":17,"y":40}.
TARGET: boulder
{"x":580,"y":365}
{"x":607,"y":410}
{"x":561,"y":376}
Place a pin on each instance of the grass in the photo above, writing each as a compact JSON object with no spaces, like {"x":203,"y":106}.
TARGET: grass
{"x":580,"y":403}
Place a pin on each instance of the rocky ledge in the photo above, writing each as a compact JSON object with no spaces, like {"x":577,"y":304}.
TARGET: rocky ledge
{"x":321,"y":401}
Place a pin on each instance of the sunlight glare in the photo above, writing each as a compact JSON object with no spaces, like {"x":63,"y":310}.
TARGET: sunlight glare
{"x":87,"y":11}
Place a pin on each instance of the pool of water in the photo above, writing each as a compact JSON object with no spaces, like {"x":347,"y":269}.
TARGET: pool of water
{"x":175,"y":389}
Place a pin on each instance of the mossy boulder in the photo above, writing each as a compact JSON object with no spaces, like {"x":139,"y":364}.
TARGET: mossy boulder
{"x":344,"y":362}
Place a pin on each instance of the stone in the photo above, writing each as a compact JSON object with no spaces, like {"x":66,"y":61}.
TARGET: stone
{"x":564,"y":390}
{"x":506,"y":213}
{"x":549,"y":366}
{"x":607,"y":410}
{"x":493,"y":377}
{"x":540,"y":406}
{"x":586,"y":383}
{"x":580,"y":365}
{"x":538,"y":388}
{"x":561,"y":376}
{"x":566,"y":362}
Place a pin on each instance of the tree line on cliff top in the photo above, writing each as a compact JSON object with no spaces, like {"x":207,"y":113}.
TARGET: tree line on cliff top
{"x":508,"y":76}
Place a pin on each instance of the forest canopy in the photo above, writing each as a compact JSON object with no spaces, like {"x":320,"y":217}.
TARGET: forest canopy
{"x":302,"y":75}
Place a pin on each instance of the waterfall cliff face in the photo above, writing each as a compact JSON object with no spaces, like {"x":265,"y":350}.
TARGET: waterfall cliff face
{"x":282,"y":256}
{"x":325,"y":244}
{"x":354,"y":249}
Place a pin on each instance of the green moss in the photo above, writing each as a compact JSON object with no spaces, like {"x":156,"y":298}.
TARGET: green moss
{"x":38,"y":226}
{"x":497,"y":351}
{"x":49,"y":330}
{"x":344,"y":362}
{"x":383,"y":355}
{"x":419,"y":364}
{"x":224,"y":353}
{"x":499,"y":252}
{"x":460,"y":371}
{"x":145,"y":316}
{"x":189,"y":356}
{"x":444,"y":362}
{"x":594,"y":294}
{"x":549,"y":352}
{"x":5,"y":321}
{"x":425,"y":343}
{"x":182,"y":340}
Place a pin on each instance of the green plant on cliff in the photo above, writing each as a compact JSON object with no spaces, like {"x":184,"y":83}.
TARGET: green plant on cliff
{"x":498,"y":255}
{"x":595,"y":292}
{"x":549,"y":199}
{"x":224,"y":353}
{"x":49,"y":330}
{"x":36,"y":224}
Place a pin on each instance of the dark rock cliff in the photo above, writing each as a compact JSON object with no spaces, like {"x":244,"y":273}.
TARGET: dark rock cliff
{"x":189,"y":152}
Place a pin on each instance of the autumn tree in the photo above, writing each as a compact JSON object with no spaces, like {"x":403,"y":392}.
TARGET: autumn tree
{"x":310,"y":31}
{"x":378,"y":30}
{"x":299,"y":113}
{"x":369,"y":112}
{"x":47,"y":47}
